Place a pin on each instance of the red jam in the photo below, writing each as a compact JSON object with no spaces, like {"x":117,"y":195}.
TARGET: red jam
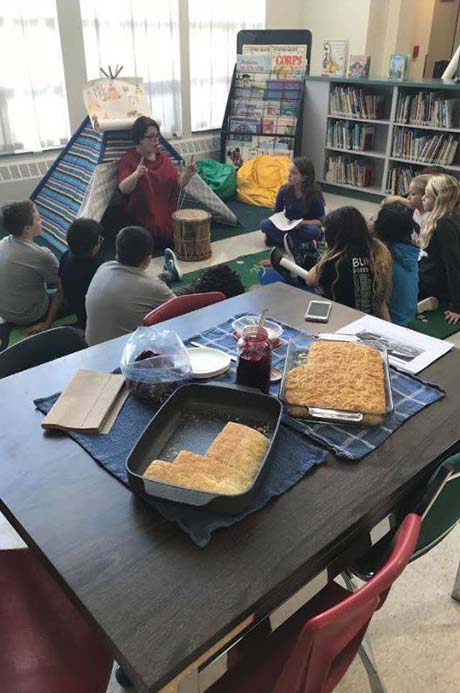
{"x":254,"y":351}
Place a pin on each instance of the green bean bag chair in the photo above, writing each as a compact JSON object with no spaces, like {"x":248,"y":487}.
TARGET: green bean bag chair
{"x":221,"y":178}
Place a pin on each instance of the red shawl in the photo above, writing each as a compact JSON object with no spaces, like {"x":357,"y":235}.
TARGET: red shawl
{"x":154,"y":198}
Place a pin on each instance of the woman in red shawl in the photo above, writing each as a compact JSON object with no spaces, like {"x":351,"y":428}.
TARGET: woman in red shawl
{"x":150,"y":182}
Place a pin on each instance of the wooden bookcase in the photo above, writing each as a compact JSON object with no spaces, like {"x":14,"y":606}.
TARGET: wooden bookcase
{"x":320,"y":111}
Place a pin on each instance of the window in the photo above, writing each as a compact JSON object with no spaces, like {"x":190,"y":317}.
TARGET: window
{"x":214,"y":25}
{"x":33,"y":103}
{"x":143,"y":36}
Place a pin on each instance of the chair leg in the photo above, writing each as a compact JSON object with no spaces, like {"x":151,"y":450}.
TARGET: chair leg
{"x":456,"y":590}
{"x":368,"y":660}
{"x":349,"y":581}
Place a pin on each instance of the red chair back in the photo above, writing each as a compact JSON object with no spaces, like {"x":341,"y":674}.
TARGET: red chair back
{"x":180,"y":305}
{"x":329,"y":642}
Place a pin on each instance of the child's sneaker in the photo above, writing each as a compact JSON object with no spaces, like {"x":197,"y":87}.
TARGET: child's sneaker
{"x":171,"y":266}
{"x":428,"y":304}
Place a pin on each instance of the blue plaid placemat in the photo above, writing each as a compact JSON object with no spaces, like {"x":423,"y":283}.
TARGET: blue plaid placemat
{"x":410,"y":395}
{"x":292,"y":457}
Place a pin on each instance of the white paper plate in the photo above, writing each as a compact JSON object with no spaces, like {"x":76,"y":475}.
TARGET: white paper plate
{"x":207,"y":362}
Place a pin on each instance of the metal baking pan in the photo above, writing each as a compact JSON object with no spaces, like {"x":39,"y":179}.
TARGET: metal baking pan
{"x":190,"y":420}
{"x":298,"y":355}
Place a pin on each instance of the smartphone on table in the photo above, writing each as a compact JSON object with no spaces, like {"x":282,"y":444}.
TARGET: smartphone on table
{"x":318,"y":311}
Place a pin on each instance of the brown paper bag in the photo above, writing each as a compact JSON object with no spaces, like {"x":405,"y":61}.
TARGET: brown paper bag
{"x":89,"y":403}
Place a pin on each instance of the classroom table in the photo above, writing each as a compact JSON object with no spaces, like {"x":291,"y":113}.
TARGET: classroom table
{"x":160,"y":601}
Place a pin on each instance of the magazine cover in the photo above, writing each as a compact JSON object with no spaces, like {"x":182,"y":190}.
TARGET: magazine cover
{"x":334,"y":58}
{"x":399,"y":64}
{"x":358,"y":66}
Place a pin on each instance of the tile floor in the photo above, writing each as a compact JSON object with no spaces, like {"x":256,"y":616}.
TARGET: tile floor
{"x":416,"y":635}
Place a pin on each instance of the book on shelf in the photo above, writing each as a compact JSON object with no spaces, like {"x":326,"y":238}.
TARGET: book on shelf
{"x":279,"y":125}
{"x":346,"y":134}
{"x":254,"y":63}
{"x":356,"y":103}
{"x":240,"y":150}
{"x":429,"y":108}
{"x":345,"y":170}
{"x":399,"y":179}
{"x":334,"y":61}
{"x":358,"y":66}
{"x":261,"y":109}
{"x":283,"y":61}
{"x":243,"y":127}
{"x":398,"y":67}
{"x":420,"y":145}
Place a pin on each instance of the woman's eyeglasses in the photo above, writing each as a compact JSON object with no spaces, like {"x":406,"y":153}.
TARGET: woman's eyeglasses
{"x":151,"y":137}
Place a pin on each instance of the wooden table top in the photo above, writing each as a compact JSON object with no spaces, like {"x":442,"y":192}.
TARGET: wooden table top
{"x":160,"y":600}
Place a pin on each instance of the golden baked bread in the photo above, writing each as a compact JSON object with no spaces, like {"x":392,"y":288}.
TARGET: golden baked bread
{"x":241,"y":447}
{"x":339,"y":375}
{"x":189,"y":475}
{"x":229,"y":466}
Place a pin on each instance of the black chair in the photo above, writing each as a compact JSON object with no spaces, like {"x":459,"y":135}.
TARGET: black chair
{"x":40,"y":348}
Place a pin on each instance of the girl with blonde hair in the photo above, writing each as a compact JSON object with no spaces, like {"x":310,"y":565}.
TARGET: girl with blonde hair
{"x":439,"y":265}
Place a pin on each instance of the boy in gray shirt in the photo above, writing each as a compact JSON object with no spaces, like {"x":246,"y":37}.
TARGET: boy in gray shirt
{"x":121,"y":293}
{"x":25,"y":269}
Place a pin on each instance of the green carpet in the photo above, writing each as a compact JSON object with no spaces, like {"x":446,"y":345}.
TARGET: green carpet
{"x":249,"y":268}
{"x":434,"y":324}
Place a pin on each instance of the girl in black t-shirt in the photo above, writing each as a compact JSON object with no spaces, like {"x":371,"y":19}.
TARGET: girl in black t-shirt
{"x":356,"y":268}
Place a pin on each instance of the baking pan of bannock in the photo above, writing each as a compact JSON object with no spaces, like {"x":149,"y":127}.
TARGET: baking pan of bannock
{"x":186,"y":426}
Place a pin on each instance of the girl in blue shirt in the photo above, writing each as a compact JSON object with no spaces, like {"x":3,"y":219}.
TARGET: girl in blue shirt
{"x":301,"y":199}
{"x":394,"y":228}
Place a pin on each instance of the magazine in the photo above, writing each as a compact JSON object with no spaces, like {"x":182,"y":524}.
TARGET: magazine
{"x":334,"y":58}
{"x":408,"y":350}
{"x":399,"y":65}
{"x":358,"y":66}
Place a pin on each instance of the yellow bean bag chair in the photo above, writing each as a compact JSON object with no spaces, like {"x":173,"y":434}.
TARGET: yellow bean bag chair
{"x":258,"y":180}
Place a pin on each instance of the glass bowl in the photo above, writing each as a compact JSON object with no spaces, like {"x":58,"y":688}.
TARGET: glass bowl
{"x":274,"y":330}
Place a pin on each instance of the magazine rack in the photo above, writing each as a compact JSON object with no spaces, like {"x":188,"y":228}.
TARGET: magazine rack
{"x":264,"y":113}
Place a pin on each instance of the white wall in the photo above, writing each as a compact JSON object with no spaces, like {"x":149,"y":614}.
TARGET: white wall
{"x":330,"y":19}
{"x":284,"y":15}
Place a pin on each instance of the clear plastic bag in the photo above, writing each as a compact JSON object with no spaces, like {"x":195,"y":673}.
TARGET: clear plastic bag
{"x":155,"y":362}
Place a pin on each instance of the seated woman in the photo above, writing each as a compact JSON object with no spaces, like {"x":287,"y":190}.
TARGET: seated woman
{"x":150,"y":182}
{"x":439,"y":264}
{"x":355,"y":270}
{"x":301,"y":199}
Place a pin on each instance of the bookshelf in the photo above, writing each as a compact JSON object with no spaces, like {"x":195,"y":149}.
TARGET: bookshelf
{"x":373,"y":136}
{"x":264,"y":111}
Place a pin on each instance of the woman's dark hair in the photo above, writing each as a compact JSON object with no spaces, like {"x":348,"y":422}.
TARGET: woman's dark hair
{"x":133,"y":244}
{"x":394,"y":224}
{"x":83,"y":235}
{"x":346,"y":232}
{"x":140,"y":127}
{"x":310,"y":189}
{"x":219,"y":278}
{"x":344,"y":228}
{"x":17,"y":215}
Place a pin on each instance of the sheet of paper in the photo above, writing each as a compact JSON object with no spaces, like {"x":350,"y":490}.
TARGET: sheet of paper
{"x":408,"y":350}
{"x":282,"y":223}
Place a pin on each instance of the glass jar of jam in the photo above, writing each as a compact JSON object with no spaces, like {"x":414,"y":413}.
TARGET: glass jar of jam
{"x":254,"y":358}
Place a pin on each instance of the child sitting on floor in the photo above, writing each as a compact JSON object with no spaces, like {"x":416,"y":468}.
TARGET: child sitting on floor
{"x":356,"y":268}
{"x":394,"y":228}
{"x":301,"y":199}
{"x":78,"y":265}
